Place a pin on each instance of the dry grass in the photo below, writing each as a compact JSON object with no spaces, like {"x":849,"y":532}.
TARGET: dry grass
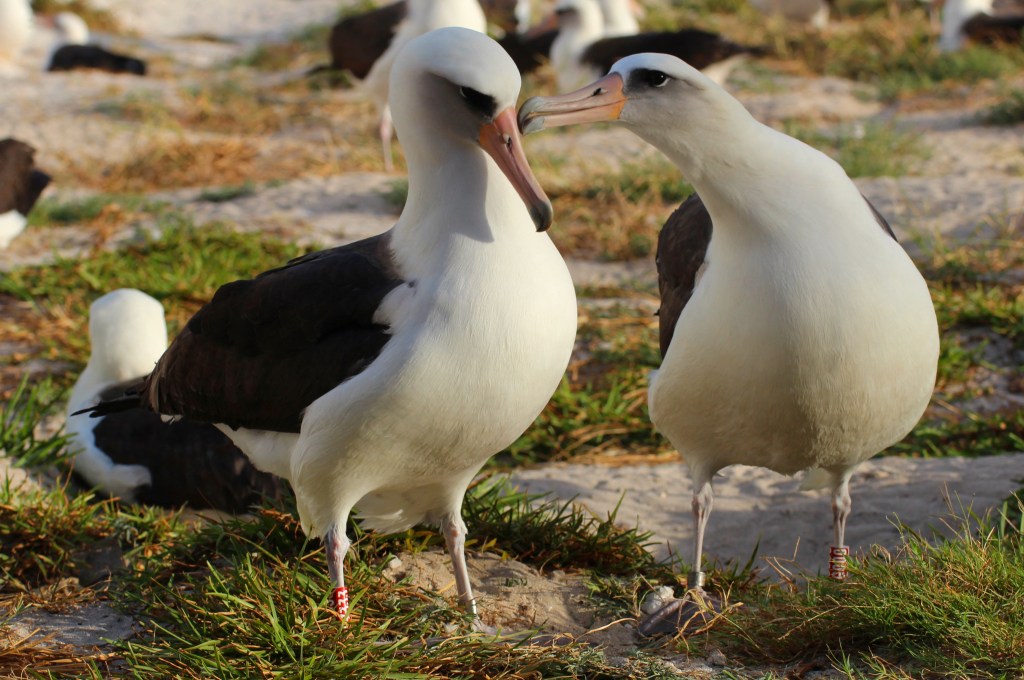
{"x":167,"y":162}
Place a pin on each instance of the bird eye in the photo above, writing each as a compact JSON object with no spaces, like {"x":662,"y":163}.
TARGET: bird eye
{"x":483,"y":104}
{"x":655,"y":78}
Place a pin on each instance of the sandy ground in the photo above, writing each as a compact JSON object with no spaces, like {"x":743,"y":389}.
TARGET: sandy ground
{"x":758,"y":510}
{"x":974,"y":172}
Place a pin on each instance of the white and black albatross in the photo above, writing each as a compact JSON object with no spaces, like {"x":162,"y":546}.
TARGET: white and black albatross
{"x":981,"y":21}
{"x":797,"y":334}
{"x":583,"y":50}
{"x":21,"y":184}
{"x":380,"y":376}
{"x":135,"y":455}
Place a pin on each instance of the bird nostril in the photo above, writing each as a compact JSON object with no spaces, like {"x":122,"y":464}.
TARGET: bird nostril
{"x":598,"y":91}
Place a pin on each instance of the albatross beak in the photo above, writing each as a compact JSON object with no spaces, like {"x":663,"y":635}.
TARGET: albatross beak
{"x":601,"y":100}
{"x":501,"y":140}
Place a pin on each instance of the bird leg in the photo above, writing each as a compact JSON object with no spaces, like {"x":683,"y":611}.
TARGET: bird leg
{"x":697,"y":608}
{"x":454,"y":530}
{"x":386,"y":131}
{"x":841,"y":506}
{"x":703,"y":501}
{"x":336,"y":544}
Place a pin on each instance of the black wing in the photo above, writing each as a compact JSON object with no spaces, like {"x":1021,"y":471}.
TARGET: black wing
{"x":698,"y":48}
{"x":528,"y":51}
{"x":20,"y":182}
{"x":190,"y":463}
{"x":71,"y":57}
{"x":682,"y":249}
{"x":264,"y":349}
{"x":356,"y":42}
{"x":995,"y":29}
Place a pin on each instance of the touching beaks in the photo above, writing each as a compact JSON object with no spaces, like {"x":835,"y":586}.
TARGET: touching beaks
{"x":502,"y":141}
{"x":599,"y":101}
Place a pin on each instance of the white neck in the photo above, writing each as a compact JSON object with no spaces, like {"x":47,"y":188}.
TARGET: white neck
{"x":619,"y":18}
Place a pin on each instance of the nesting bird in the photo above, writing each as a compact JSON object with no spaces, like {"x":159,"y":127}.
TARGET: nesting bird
{"x":797,"y":334}
{"x":378,"y":377}
{"x":135,"y":455}
{"x":21,"y":184}
{"x":75,"y":51}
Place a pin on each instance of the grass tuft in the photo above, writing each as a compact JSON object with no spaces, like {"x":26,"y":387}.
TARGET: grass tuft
{"x":951,"y":609}
{"x":1010,"y":111}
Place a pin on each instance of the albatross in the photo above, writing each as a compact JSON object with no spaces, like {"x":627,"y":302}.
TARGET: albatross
{"x":797,"y":333}
{"x":135,"y":455}
{"x":422,"y":17}
{"x":381,"y":375}
{"x":21,"y":184}
{"x":584,"y":50}
{"x":981,"y":21}
{"x":74,"y":50}
{"x":15,"y":30}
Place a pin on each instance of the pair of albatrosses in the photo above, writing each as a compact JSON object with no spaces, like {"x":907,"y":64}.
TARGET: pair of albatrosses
{"x":381,"y":375}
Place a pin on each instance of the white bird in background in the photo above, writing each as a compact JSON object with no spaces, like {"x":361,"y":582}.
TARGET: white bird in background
{"x":580,"y":24}
{"x":381,"y":375}
{"x":797,"y":333}
{"x":423,"y":16}
{"x":15,"y":31}
{"x":620,"y":17}
{"x":812,"y":12}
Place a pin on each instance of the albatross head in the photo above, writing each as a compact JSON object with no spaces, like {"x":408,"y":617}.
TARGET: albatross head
{"x":661,"y":98}
{"x":127,"y":333}
{"x":453,"y":88}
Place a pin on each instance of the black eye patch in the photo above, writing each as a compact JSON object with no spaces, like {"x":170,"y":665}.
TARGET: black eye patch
{"x":648,"y":78}
{"x":481,"y":103}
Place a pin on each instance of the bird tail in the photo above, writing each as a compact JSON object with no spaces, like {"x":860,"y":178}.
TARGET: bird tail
{"x":121,"y":398}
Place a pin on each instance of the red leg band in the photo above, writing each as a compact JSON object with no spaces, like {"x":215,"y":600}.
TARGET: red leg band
{"x":837,"y":562}
{"x":339,"y":600}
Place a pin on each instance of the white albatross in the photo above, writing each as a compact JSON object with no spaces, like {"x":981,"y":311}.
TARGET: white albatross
{"x":422,"y":17}
{"x":800,"y":334}
{"x":381,"y":375}
{"x":15,"y":31}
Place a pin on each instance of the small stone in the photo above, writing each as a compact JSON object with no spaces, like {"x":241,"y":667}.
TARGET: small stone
{"x":656,"y":599}
{"x":717,"y":658}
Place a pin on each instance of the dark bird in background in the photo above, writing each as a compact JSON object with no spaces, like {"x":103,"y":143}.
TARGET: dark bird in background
{"x":581,"y":53}
{"x":136,"y":455}
{"x":21,"y":183}
{"x":356,"y":42}
{"x":76,"y":52}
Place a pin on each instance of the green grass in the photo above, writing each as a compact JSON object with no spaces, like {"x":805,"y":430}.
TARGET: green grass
{"x":182,"y":268}
{"x":952,"y":609}
{"x":19,"y":420}
{"x":283,"y":55}
{"x":1010,"y":111}
{"x":59,"y":212}
{"x":866,"y":150}
{"x":228,"y":193}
